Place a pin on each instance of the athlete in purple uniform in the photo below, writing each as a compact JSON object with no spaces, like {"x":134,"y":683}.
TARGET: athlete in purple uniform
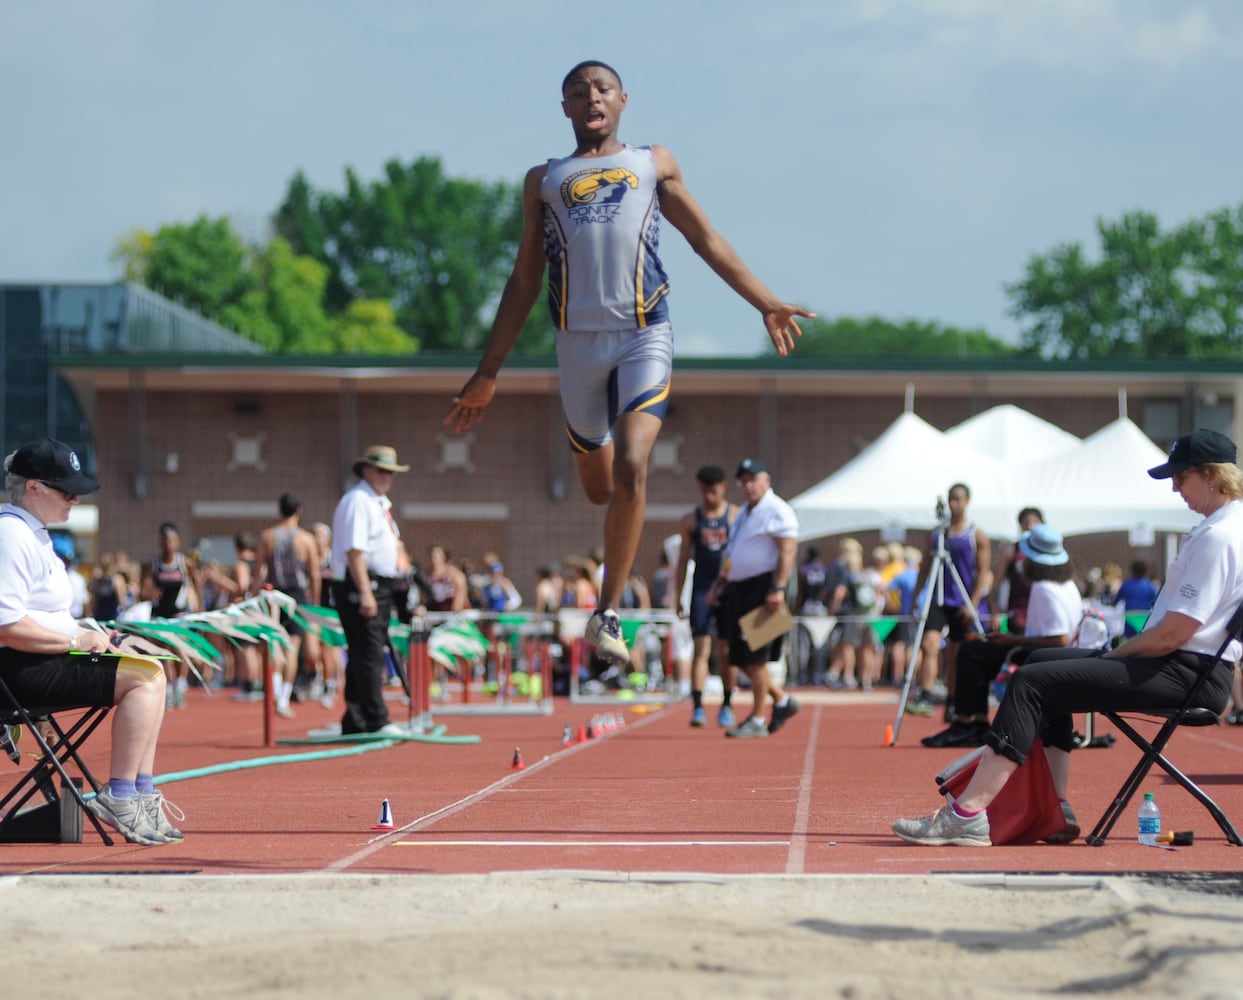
{"x":970,"y":553}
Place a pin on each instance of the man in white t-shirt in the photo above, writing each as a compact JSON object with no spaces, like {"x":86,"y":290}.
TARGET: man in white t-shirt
{"x":756,"y":572}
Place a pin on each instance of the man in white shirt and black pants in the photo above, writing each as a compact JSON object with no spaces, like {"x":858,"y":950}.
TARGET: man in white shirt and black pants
{"x":756,"y":570}
{"x":365,"y":566}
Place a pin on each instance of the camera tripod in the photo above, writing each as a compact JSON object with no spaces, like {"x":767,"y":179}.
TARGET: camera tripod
{"x":940,"y":562}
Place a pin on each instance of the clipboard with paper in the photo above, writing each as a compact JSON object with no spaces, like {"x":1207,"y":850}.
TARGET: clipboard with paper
{"x":760,"y":626}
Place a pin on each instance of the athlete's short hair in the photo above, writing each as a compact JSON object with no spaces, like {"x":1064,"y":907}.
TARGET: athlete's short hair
{"x":289,"y":504}
{"x":590,"y":62}
{"x":710,"y":475}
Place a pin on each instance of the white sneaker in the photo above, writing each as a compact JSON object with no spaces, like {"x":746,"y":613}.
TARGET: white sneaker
{"x":127,"y":816}
{"x":946,"y":827}
{"x":391,"y":729}
{"x":155,"y":805}
{"x":604,"y":634}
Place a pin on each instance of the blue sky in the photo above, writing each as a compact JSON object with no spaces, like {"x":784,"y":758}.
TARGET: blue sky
{"x":894,"y":157}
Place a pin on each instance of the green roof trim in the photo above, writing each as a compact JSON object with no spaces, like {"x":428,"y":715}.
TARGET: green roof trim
{"x":768,"y":364}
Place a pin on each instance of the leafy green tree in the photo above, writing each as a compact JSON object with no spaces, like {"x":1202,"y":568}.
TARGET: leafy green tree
{"x":268,"y":294}
{"x":873,"y":336}
{"x":132,"y":251}
{"x":202,"y":265}
{"x":369,"y":326}
{"x":282,"y":310}
{"x":438,"y":248}
{"x":1151,"y":294}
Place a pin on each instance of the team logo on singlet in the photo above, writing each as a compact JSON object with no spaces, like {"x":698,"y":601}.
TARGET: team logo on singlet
{"x":595,"y":194}
{"x":713,"y":537}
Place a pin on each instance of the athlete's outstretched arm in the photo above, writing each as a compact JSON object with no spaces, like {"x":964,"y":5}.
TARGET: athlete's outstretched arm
{"x":521,"y":291}
{"x":692,"y":222}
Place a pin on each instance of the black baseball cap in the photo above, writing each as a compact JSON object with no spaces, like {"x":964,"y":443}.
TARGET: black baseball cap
{"x":750,"y":467}
{"x":1202,"y":447}
{"x":52,"y":462}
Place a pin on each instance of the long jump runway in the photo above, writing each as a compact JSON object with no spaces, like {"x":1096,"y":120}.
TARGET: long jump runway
{"x":653,"y":796}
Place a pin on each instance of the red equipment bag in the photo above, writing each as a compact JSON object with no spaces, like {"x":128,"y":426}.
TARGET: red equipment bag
{"x":1026,"y":810}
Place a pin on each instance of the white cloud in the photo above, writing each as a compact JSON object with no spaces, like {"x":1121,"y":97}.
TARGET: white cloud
{"x":1060,"y":34}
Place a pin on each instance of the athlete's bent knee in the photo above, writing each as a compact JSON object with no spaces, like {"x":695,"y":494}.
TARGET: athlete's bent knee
{"x":597,"y":494}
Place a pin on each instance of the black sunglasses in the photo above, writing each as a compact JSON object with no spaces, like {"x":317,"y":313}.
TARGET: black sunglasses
{"x":67,"y":495}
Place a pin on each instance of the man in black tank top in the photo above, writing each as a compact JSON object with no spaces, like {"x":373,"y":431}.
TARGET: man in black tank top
{"x":705,"y":530}
{"x":289,"y":562}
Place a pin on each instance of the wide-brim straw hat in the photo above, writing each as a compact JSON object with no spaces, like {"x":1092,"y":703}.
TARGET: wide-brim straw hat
{"x":382,"y":456}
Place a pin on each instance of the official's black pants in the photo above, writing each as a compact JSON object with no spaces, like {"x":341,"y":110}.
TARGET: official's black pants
{"x":365,"y":669}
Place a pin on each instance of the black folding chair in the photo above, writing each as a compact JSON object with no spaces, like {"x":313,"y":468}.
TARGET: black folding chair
{"x":1154,"y":749}
{"x":59,"y":818}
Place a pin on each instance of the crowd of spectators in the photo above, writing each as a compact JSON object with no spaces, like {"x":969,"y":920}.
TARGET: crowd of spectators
{"x":859,"y":654}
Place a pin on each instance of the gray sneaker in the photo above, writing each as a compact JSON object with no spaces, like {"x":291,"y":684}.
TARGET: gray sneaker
{"x":155,"y":806}
{"x":749,"y":729}
{"x":604,"y":633}
{"x":1071,"y":833}
{"x":127,"y":816}
{"x":946,"y":827}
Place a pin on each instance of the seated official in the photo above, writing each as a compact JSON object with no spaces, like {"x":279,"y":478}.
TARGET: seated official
{"x":1054,"y":609}
{"x":39,"y":639}
{"x":1152,"y":670}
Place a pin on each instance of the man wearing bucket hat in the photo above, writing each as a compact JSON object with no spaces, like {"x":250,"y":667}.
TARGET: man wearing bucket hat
{"x":1153,"y":670}
{"x":365,"y":567}
{"x":1054,"y":609}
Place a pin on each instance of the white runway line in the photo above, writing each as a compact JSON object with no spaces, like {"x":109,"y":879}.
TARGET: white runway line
{"x":592,"y":843}
{"x":386,"y":840}
{"x":798,"y":843}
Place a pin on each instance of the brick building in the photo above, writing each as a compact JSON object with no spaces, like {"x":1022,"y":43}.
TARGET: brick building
{"x":185,"y":422}
{"x":210,"y":441}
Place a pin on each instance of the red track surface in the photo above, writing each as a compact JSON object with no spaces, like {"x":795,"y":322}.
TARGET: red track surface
{"x":653,"y":796}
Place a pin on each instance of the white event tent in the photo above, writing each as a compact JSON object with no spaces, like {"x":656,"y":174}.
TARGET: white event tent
{"x":1103,"y":485}
{"x":1008,"y":431}
{"x":1010,"y":459}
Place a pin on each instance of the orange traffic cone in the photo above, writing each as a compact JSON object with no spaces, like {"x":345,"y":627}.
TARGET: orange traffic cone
{"x":517,"y":765}
{"x":582,"y":733}
{"x":888,"y":736}
{"x":385,"y":822}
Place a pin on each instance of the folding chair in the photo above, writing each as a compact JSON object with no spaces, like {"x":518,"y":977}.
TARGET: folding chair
{"x":59,"y":818}
{"x":1154,"y":750}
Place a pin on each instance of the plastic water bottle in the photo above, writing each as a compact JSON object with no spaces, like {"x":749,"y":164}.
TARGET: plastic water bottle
{"x":1149,"y":821}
